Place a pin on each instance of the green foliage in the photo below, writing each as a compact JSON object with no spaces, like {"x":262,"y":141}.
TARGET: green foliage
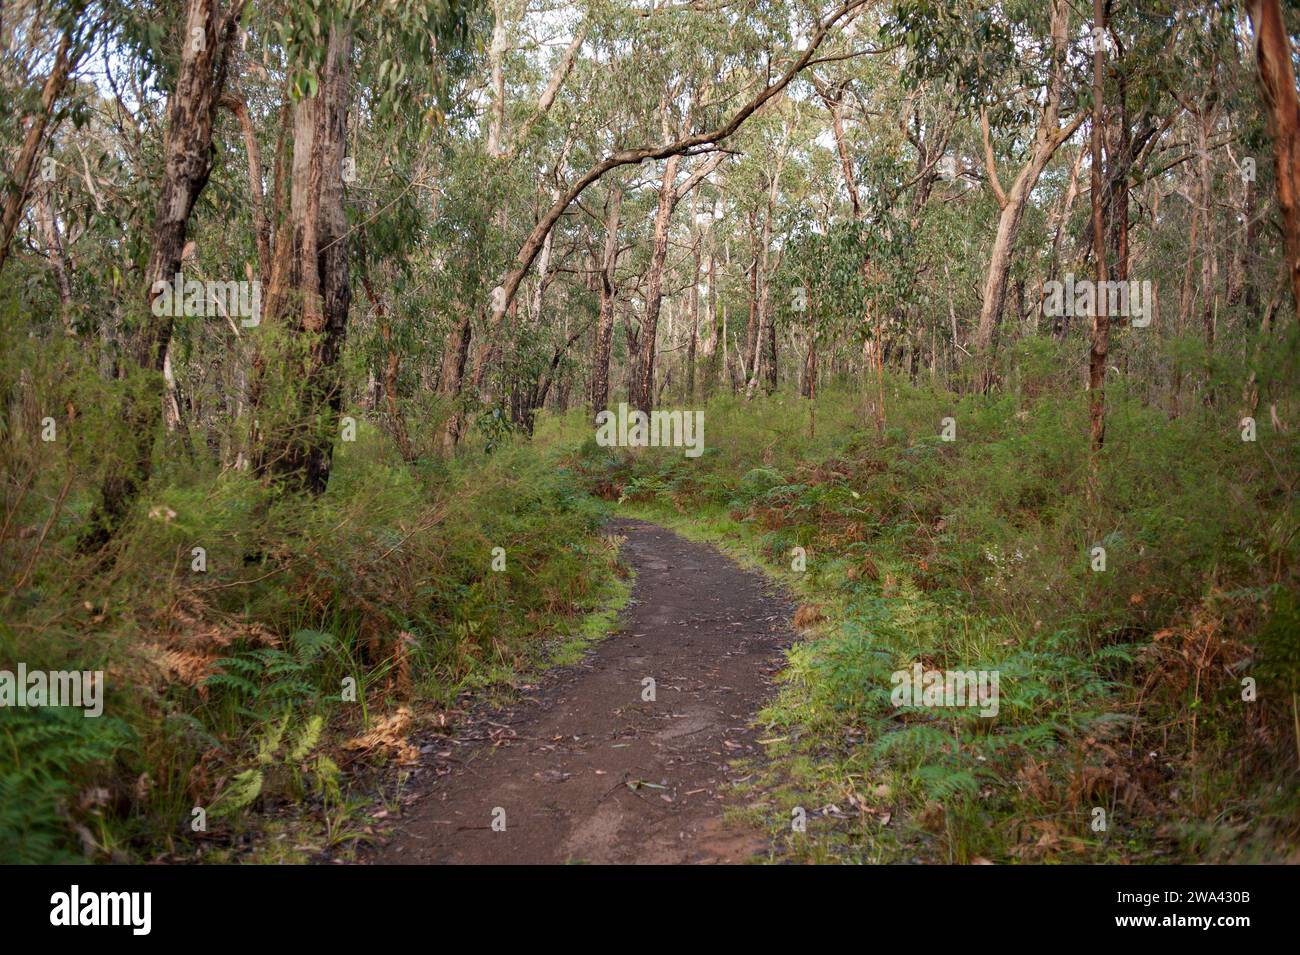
{"x":974,"y":555}
{"x":46,"y":755}
{"x":227,"y":681}
{"x":235,"y":673}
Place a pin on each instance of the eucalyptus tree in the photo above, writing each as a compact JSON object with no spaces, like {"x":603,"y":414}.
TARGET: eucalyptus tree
{"x":1011,"y":64}
{"x":334,"y":51}
{"x":605,"y":263}
{"x":30,"y":46}
{"x":512,"y":137}
{"x":682,"y":59}
{"x":304,"y":238}
{"x":750,"y":90}
{"x":206,"y":39}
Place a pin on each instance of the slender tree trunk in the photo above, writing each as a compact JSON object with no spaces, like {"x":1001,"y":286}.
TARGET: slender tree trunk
{"x":261,"y":224}
{"x":1239,"y":283}
{"x":1188,"y":290}
{"x":1100,"y":318}
{"x":642,"y":394}
{"x":715,"y":344}
{"x":1210,"y":257}
{"x":761,"y":288}
{"x":48,"y":223}
{"x":1062,"y":215}
{"x":604,"y":339}
{"x":392,"y":365}
{"x":693,"y":303}
{"x":771,"y":369}
{"x":20,"y":181}
{"x":751,"y":324}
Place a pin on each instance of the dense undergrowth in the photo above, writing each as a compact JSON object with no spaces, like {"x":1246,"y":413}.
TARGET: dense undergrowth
{"x":1122,"y":732}
{"x":279,"y":687}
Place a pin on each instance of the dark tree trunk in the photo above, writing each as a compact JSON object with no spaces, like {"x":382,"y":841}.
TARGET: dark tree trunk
{"x":604,"y":337}
{"x":771,"y":369}
{"x":643,"y":391}
{"x":691,"y":345}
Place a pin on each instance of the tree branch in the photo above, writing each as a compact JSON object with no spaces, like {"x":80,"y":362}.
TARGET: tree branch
{"x":625,"y":157}
{"x":989,"y":165}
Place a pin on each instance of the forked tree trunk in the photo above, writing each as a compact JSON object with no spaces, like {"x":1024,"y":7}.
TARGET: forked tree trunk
{"x":1047,"y":138}
{"x":261,"y":225}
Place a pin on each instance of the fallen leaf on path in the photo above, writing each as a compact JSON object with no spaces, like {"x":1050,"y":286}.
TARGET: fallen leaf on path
{"x":388,"y":735}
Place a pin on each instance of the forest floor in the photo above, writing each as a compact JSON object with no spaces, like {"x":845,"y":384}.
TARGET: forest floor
{"x":585,"y":768}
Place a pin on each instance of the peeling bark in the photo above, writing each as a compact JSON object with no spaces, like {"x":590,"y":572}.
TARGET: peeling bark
{"x":187,"y":156}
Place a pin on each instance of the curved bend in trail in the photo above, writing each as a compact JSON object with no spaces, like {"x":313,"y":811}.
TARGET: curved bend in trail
{"x":592,"y":772}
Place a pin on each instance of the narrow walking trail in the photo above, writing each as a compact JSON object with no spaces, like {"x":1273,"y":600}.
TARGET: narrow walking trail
{"x":589,"y":771}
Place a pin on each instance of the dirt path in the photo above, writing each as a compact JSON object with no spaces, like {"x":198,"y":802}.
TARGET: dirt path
{"x":592,"y":773}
